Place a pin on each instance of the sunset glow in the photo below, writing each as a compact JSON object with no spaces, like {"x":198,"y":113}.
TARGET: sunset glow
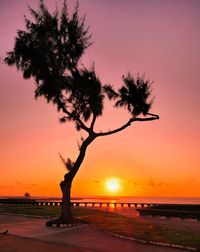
{"x":159,"y":158}
{"x":113,"y":185}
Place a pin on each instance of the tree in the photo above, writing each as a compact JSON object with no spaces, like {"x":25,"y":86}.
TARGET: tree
{"x":27,"y":195}
{"x":49,"y":50}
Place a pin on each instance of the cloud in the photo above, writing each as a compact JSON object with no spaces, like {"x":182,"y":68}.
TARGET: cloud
{"x":154,"y":183}
{"x":151,"y":182}
{"x":96,"y":181}
{"x":33,"y":184}
{"x":135,"y":183}
{"x":192,"y":180}
{"x":7,"y":186}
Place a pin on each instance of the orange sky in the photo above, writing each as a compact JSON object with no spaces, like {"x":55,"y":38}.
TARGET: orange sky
{"x":158,"y":158}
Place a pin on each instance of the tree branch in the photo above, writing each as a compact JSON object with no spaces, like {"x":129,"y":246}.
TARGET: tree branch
{"x":93,"y":122}
{"x":153,"y":117}
{"x":82,"y":125}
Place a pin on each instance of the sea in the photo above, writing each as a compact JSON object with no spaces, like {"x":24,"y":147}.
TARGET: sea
{"x":121,"y":199}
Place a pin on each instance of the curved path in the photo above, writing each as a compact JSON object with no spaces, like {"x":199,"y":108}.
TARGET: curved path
{"x":27,"y":234}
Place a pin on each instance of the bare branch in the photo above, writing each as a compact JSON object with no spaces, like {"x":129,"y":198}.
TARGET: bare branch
{"x":153,"y":117}
{"x":157,"y":116}
{"x":79,"y":145}
{"x":69,"y":164}
{"x":62,"y":159}
{"x":93,"y":122}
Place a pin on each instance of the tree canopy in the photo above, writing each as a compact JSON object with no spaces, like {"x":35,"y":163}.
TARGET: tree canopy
{"x":50,"y":50}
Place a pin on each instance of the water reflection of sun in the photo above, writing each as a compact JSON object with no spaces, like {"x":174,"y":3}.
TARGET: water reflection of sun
{"x":112,"y":205}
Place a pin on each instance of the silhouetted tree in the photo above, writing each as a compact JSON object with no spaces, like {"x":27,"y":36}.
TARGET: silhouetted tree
{"x":49,"y":50}
{"x":27,"y":195}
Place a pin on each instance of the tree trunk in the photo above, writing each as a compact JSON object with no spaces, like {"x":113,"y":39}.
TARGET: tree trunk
{"x":65,"y":185}
{"x":66,"y":216}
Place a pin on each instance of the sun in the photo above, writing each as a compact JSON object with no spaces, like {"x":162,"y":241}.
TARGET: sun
{"x":112,"y":185}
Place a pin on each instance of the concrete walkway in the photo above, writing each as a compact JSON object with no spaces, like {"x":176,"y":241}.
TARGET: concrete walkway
{"x":26,"y":232}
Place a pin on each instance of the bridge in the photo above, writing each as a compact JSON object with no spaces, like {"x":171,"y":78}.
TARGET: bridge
{"x":151,"y":209}
{"x":74,"y":203}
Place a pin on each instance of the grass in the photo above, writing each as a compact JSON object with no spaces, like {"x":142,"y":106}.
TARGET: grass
{"x":115,"y":223}
{"x":45,"y":211}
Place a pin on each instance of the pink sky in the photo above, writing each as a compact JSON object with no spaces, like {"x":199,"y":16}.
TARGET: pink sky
{"x":159,"y":158}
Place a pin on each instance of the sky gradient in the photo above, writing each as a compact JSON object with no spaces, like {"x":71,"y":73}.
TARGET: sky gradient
{"x":158,"y":158}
